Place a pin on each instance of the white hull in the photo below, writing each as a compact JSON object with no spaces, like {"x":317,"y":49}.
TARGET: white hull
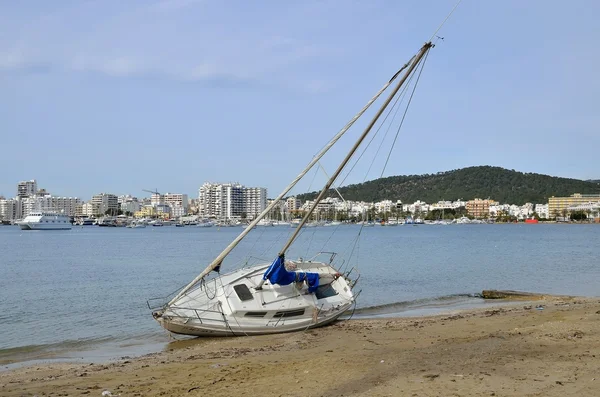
{"x":238,"y":330}
{"x":43,"y":226}
{"x":274,"y":309}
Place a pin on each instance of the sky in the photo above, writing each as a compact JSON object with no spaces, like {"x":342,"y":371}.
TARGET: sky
{"x":121,"y":96}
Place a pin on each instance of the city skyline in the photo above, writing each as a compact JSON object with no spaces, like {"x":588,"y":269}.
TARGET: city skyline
{"x":147,"y":193}
{"x":265,"y":89}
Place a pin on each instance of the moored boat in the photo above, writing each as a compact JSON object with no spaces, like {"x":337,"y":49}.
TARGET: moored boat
{"x":45,"y":221}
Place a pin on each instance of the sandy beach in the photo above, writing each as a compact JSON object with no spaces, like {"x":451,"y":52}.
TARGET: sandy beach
{"x":542,"y":348}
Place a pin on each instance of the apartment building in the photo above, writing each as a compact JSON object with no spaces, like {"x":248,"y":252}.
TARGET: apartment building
{"x":558,"y":205}
{"x":10,"y":209}
{"x":104,"y":202}
{"x":292,"y":204}
{"x":27,"y":188}
{"x":255,"y":201}
{"x":176,"y":200}
{"x":479,"y":208}
{"x":230,"y":200}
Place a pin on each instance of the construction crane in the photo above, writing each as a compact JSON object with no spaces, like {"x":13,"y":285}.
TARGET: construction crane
{"x":155,"y":191}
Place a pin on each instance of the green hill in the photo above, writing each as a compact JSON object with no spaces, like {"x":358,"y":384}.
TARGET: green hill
{"x":500,"y":184}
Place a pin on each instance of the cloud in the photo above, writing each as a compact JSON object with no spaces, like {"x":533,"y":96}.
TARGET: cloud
{"x":211,"y":42}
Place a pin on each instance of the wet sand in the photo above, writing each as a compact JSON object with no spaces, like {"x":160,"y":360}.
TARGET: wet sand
{"x":506,"y":351}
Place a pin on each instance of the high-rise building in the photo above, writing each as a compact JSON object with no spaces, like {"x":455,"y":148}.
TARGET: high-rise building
{"x":230,"y":200}
{"x":255,"y":201}
{"x":10,"y":209}
{"x":27,"y":188}
{"x":105,"y":202}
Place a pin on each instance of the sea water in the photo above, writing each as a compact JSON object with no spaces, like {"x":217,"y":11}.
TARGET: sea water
{"x":81,"y":294}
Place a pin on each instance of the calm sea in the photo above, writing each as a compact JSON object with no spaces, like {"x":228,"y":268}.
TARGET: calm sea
{"x":81,"y":294}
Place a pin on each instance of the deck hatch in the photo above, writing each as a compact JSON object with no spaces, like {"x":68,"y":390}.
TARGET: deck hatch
{"x":243,"y":292}
{"x":325,"y":291}
{"x":289,"y":313}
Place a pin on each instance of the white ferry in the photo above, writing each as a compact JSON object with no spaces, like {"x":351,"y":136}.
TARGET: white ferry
{"x":45,"y":221}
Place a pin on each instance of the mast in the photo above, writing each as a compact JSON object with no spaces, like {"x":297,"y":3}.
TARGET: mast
{"x":219,"y":259}
{"x":337,"y":172}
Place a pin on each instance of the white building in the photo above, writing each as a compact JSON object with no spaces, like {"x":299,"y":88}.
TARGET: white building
{"x":130,"y":206}
{"x":417,"y":207}
{"x":177,"y":211}
{"x":128,"y":203}
{"x":442,"y":205}
{"x":221,"y":200}
{"x":29,"y":205}
{"x":27,"y":188}
{"x":104,"y":202}
{"x":87,"y":209}
{"x":385,"y":206}
{"x":591,"y":209}
{"x":62,"y":205}
{"x":176,"y":200}
{"x":499,"y":209}
{"x":230,"y":200}
{"x":170,"y":199}
{"x":10,"y":209}
{"x":157,"y":199}
{"x":542,"y":210}
{"x":255,"y":201}
{"x":292,"y":204}
{"x":163,"y":209}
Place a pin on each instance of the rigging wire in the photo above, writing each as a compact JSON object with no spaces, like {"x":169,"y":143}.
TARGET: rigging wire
{"x":444,"y":21}
{"x":399,"y":99}
{"x":404,"y":92}
{"x":376,"y":132}
{"x":404,"y":115}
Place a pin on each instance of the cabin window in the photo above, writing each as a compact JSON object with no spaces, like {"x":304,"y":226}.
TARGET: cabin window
{"x":243,"y":292}
{"x":255,"y":314}
{"x":325,"y":291}
{"x":289,"y":313}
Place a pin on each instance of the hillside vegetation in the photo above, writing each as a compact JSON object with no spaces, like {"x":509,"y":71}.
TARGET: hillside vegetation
{"x":500,"y":184}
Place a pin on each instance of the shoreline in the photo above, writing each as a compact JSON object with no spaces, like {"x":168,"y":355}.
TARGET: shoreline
{"x":546,"y":347}
{"x":107,"y":351}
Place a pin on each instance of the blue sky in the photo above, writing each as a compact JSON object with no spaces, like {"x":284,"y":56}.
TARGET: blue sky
{"x":114,"y":96}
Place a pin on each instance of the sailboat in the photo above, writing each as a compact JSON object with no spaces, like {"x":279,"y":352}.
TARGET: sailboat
{"x":284,"y":295}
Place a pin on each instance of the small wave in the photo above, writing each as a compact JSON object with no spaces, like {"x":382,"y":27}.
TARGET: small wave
{"x":425,"y":303}
{"x":100,"y":348}
{"x":49,"y":350}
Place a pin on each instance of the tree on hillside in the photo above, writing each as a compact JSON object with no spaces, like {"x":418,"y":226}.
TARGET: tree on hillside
{"x":505,"y":186}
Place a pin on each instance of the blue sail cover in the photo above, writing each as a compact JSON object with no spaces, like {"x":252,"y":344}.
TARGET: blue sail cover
{"x":277,"y":274}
